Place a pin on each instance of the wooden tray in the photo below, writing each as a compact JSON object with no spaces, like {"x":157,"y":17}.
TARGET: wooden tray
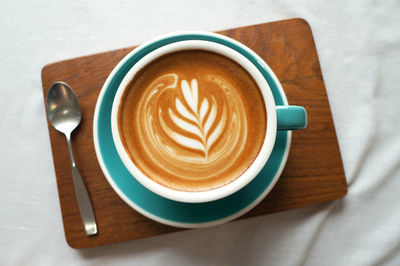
{"x":314,"y":171}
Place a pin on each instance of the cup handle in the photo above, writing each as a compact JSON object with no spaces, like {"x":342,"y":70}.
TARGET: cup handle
{"x":291,"y":117}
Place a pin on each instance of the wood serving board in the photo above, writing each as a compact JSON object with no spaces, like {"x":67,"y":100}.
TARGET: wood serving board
{"x":313,"y":174}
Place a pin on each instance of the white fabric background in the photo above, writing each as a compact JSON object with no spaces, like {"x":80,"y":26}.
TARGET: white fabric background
{"x":358,"y":43}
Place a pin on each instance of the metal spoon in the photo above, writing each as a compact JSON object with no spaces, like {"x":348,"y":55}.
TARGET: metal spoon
{"x":64,"y":113}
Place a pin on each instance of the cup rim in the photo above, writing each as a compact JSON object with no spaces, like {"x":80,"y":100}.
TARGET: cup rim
{"x":258,"y":163}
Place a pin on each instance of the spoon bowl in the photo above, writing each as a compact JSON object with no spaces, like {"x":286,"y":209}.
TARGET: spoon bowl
{"x":63,"y":107}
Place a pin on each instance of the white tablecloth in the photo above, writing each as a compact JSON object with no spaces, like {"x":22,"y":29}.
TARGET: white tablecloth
{"x":358,"y":43}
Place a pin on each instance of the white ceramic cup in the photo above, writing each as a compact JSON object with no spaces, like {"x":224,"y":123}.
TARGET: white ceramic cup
{"x":249,"y":174}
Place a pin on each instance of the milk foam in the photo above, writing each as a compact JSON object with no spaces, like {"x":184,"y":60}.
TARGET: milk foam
{"x":192,"y":120}
{"x":192,"y":129}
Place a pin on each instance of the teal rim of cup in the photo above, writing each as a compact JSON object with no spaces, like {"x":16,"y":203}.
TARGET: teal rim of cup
{"x":168,"y":211}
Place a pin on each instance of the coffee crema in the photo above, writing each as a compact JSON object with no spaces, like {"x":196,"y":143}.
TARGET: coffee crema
{"x":192,"y":120}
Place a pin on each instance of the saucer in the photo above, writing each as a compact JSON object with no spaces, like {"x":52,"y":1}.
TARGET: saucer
{"x":155,"y":207}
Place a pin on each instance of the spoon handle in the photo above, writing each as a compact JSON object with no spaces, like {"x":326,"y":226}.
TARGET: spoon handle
{"x":82,"y":195}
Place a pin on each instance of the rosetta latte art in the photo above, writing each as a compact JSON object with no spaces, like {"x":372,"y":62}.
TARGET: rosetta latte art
{"x":184,"y":124}
{"x":199,"y":126}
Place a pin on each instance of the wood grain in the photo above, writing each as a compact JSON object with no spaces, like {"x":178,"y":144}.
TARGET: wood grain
{"x":314,"y":171}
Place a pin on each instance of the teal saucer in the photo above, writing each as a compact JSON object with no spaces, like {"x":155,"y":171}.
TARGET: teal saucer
{"x":189,"y":215}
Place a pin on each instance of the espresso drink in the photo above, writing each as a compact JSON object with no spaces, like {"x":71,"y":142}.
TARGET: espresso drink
{"x":192,"y":120}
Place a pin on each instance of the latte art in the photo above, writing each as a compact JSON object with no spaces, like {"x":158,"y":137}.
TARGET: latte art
{"x":199,"y":126}
{"x":184,"y":129}
{"x":192,"y":126}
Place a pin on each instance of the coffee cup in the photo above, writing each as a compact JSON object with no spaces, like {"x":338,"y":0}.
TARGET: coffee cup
{"x":195,"y":121}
